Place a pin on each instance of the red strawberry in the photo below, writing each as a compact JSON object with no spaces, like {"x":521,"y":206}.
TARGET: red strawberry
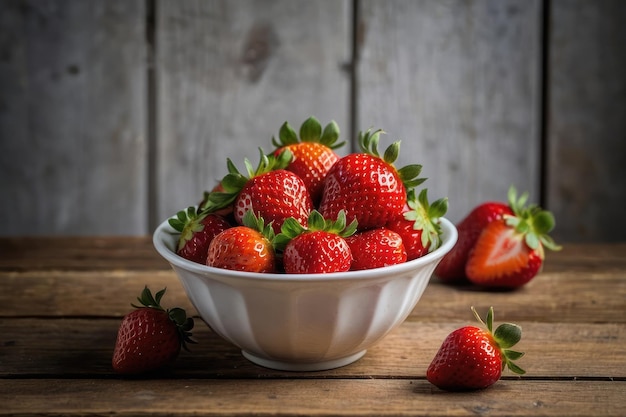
{"x":150,"y":337}
{"x":317,"y":249}
{"x":313,"y":154}
{"x":510,"y":251}
{"x":367,"y":186}
{"x":451,"y":269}
{"x":376,"y":248}
{"x":472,"y":358}
{"x":197,"y":230}
{"x":419,"y":225}
{"x":270,"y":191}
{"x":244,"y":248}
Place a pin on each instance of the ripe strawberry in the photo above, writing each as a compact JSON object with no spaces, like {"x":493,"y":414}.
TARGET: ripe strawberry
{"x":472,"y":358}
{"x":197,"y":230}
{"x":244,"y":248}
{"x":376,"y":248}
{"x":451,"y":269}
{"x":419,"y":225}
{"x":150,"y":337}
{"x":317,"y":249}
{"x":270,"y":191}
{"x":313,"y":154}
{"x":510,"y":251}
{"x":367,"y":186}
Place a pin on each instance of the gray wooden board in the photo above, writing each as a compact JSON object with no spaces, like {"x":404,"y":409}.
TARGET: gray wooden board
{"x":458,"y":83}
{"x":587,"y":120}
{"x":72,"y":117}
{"x":231,"y":73}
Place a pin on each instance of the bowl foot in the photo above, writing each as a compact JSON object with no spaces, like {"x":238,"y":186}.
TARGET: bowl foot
{"x":303,"y":366}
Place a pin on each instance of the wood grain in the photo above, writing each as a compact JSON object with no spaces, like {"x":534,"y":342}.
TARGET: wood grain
{"x":84,"y":347}
{"x":309,"y":397}
{"x":587,"y":120}
{"x":72,"y":118}
{"x":231,"y":73}
{"x":458,"y":84}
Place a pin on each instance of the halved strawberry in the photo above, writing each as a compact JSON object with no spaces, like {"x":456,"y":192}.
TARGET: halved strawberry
{"x":318,"y":248}
{"x":244,"y":248}
{"x":313,"y":153}
{"x":367,"y":185}
{"x":419,"y":225}
{"x":510,"y":251}
{"x":451,"y":269}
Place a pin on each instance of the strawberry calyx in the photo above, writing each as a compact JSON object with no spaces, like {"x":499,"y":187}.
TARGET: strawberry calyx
{"x":310,"y":131}
{"x":532,"y":222}
{"x":368,"y":143}
{"x":505,"y":336}
{"x":291,"y":228}
{"x":251,"y":220}
{"x":425,"y":216}
{"x":187,"y":222}
{"x":233,"y":182}
{"x":177,"y":315}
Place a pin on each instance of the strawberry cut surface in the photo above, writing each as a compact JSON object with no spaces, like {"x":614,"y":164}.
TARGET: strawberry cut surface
{"x":501,"y":258}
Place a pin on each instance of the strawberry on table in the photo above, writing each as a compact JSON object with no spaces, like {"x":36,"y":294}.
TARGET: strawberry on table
{"x":472,"y":358}
{"x":367,"y":185}
{"x":419,"y":226}
{"x":509,"y":252}
{"x":197,"y":230}
{"x":313,"y":153}
{"x":376,"y":248}
{"x":270,"y":191}
{"x":248,"y":247}
{"x":149,"y":338}
{"x":451,"y":269}
{"x":318,"y":248}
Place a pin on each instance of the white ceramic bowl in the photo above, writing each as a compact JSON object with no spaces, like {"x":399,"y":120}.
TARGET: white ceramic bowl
{"x":304,"y":322}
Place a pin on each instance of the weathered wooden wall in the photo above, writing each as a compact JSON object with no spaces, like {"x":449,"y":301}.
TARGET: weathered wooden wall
{"x":116,"y":113}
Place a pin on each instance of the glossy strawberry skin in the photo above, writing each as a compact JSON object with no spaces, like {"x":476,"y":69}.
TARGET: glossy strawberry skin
{"x":274,"y":196}
{"x":411,"y":238}
{"x":366,"y":187}
{"x":317,"y":252}
{"x":468,"y":359}
{"x":147,"y":340}
{"x":311,"y":162}
{"x":451,"y":269}
{"x":241,"y":248}
{"x":376,"y":248}
{"x":196,"y":248}
{"x":501,"y":259}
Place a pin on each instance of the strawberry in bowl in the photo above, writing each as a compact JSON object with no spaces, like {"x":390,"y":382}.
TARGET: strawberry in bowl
{"x":339,"y":277}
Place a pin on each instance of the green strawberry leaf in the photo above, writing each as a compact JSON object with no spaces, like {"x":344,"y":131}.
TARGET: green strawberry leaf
{"x":311,"y":130}
{"x":507,"y":335}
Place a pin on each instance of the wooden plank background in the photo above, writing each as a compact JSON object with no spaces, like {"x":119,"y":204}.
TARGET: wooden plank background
{"x":116,"y":113}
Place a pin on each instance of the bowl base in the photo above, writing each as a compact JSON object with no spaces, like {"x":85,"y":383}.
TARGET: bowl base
{"x":303,"y":366}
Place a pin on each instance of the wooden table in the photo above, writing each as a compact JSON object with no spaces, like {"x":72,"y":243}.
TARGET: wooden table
{"x":61,"y":301}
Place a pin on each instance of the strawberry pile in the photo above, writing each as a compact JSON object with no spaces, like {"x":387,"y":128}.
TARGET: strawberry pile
{"x":500,"y":245}
{"x":304,"y":209}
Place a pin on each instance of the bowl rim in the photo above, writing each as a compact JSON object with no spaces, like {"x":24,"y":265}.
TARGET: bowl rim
{"x":165,"y":231}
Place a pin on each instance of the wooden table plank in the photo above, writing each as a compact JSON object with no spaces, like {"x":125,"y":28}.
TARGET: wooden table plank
{"x":79,"y":253}
{"x":581,"y":296}
{"x":84,"y":347}
{"x":316,"y":397}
